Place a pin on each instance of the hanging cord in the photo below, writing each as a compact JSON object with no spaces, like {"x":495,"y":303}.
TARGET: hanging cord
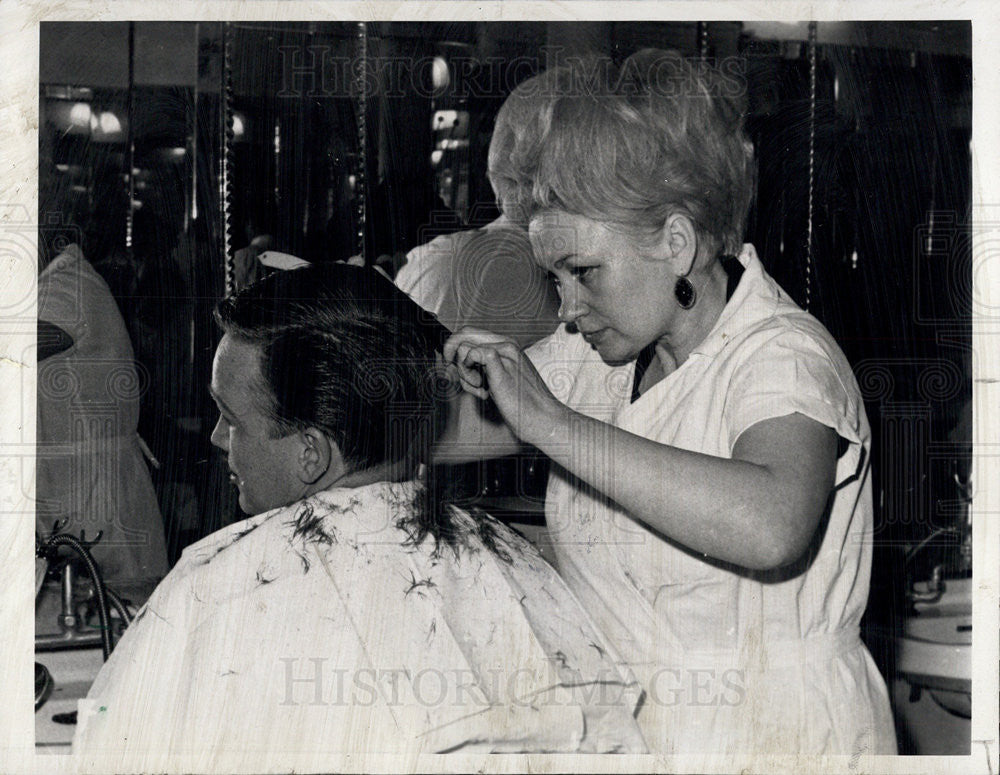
{"x":934,"y":173}
{"x":192,"y":214}
{"x":130,"y":174}
{"x":119,"y":605}
{"x":360,"y":175}
{"x":914,"y":551}
{"x":81,"y":547}
{"x":812,"y":159}
{"x":226,"y":158}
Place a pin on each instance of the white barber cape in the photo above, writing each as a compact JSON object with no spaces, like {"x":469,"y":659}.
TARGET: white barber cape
{"x":314,"y":636}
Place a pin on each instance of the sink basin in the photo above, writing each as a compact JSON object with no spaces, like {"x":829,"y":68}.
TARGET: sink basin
{"x":935,"y":651}
{"x":73,"y":671}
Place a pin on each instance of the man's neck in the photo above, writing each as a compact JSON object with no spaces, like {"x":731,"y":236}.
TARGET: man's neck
{"x":398,"y":471}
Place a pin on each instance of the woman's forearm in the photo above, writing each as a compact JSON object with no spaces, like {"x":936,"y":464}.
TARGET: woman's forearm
{"x":758,"y":509}
{"x":752,"y":513}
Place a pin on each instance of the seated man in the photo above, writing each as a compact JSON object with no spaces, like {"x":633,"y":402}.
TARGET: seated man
{"x":356,"y":612}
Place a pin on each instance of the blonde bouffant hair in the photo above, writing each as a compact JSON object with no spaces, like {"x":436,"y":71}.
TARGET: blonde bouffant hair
{"x":631,"y":145}
{"x":517,"y":135}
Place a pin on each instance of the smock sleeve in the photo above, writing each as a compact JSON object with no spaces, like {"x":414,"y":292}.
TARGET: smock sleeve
{"x":795,"y":372}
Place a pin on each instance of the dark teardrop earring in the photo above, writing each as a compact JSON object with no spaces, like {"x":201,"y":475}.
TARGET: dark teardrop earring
{"x":684,"y":292}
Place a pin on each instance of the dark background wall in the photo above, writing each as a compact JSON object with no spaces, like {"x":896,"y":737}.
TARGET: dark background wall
{"x":888,"y":272}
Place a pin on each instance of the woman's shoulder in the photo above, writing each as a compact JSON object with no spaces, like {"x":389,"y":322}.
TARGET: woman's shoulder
{"x":790,"y":363}
{"x":790,"y":334}
{"x":768,"y":319}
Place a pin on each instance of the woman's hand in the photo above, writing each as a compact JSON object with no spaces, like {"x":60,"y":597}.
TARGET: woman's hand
{"x":493,"y":366}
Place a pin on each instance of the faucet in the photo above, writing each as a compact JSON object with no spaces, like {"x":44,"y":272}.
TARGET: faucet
{"x":70,"y":635}
{"x":935,"y":588}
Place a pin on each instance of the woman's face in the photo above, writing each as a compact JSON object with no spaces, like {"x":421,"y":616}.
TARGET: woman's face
{"x":617,"y":294}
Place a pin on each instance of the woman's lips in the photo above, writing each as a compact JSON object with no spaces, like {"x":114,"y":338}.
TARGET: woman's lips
{"x":594,"y":336}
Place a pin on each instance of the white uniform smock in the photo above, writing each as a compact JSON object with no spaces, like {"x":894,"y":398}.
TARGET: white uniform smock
{"x":90,"y":469}
{"x":313,"y":635}
{"x":733,"y":661}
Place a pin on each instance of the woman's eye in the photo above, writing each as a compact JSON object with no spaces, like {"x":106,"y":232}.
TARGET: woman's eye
{"x":582,"y":272}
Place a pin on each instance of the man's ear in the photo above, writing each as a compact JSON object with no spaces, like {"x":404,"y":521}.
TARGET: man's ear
{"x":679,"y":243}
{"x":317,"y":455}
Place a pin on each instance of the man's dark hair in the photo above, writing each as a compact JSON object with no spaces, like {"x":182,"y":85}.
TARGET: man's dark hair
{"x":343,"y":350}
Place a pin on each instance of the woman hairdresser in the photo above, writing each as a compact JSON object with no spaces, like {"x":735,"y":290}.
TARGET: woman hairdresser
{"x":710,"y":495}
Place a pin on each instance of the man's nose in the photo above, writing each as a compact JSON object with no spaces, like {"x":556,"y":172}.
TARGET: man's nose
{"x":219,"y":436}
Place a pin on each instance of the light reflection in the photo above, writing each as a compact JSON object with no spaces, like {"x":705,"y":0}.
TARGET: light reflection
{"x":109,"y":123}
{"x":80,"y":114}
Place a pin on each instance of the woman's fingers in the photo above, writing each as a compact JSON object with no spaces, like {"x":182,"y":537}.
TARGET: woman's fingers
{"x":494,"y":367}
{"x":471,"y":337}
{"x":476,"y":388}
{"x":509,"y":350}
{"x":475,"y":353}
{"x":479,"y":365}
{"x":469,"y":362}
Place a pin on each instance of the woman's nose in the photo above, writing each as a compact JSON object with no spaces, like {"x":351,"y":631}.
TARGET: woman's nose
{"x":570,"y":307}
{"x":219,"y":436}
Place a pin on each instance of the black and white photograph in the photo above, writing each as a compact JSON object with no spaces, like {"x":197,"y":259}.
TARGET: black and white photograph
{"x":514,"y":387}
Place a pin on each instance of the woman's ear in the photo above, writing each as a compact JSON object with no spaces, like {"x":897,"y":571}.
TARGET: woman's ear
{"x":679,"y":243}
{"x":317,"y":455}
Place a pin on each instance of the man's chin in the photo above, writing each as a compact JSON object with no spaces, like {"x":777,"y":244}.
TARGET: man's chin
{"x":253,"y":509}
{"x":250,"y":509}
